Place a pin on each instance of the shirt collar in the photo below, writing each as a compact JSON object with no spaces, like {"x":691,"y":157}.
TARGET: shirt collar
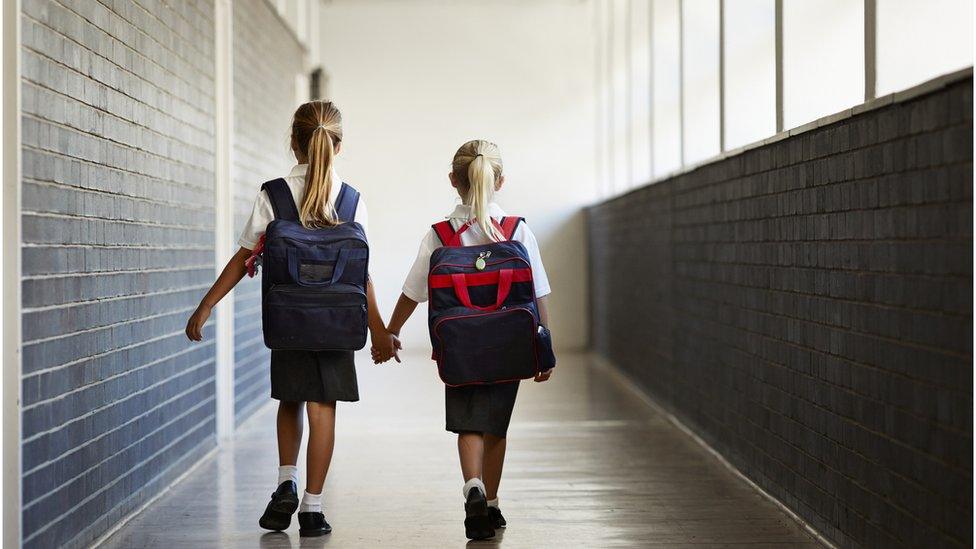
{"x":299,"y":170}
{"x":463,"y":211}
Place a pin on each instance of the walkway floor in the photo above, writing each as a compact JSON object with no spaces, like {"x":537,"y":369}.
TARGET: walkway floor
{"x":589,"y":465}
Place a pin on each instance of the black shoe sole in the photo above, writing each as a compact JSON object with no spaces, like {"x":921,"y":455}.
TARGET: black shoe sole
{"x":314,"y":533}
{"x":277,"y":516}
{"x":477,"y":524}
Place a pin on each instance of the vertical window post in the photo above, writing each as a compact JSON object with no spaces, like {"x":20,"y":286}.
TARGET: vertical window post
{"x":224,"y":213}
{"x":681,"y":80}
{"x":610,"y":113}
{"x":721,"y":75}
{"x":629,"y":94}
{"x":10,"y":479}
{"x":779,"y":65}
{"x":650,"y":87}
{"x":870,"y":49}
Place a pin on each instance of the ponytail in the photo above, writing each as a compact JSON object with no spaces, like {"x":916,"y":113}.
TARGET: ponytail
{"x":316,"y":130}
{"x":317,"y":209}
{"x":481,"y":179}
{"x":477,"y":166}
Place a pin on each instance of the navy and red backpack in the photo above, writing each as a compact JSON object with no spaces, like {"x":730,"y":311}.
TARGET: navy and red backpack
{"x":483,"y":318}
{"x":313,"y":284}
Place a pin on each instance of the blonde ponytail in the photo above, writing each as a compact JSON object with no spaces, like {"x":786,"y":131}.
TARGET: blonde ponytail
{"x":478,"y":166}
{"x":317,"y":129}
{"x":481,"y":177}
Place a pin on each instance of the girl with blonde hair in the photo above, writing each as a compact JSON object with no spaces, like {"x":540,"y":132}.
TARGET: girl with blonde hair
{"x":479,"y":414}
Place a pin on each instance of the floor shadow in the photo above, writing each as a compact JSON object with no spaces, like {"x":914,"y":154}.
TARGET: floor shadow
{"x":485,"y":543}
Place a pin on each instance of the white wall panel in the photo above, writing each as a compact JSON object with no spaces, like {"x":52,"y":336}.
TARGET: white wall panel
{"x":823,"y":58}
{"x":666,"y":86}
{"x":750,"y":71}
{"x":700,"y":87}
{"x":918,"y":41}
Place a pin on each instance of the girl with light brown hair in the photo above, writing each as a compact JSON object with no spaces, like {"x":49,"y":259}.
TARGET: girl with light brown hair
{"x":313,"y":380}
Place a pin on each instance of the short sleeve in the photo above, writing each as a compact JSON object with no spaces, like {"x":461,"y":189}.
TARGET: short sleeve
{"x":415,"y":287}
{"x":362,"y":215}
{"x":261,"y":215}
{"x":527,"y":238}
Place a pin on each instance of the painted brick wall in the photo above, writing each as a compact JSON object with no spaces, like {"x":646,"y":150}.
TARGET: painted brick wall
{"x":266,"y":60}
{"x":118,"y":246}
{"x":806,"y":307}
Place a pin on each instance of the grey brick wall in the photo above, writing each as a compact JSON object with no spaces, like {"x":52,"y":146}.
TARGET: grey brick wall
{"x":806,"y":308}
{"x":266,"y":60}
{"x":117,"y":248}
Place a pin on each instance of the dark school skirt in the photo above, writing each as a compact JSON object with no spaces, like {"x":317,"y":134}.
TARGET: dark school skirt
{"x":480,"y":408}
{"x":314,"y":376}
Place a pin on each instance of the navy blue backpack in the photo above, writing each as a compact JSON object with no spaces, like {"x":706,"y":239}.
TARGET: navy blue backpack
{"x":483,"y":318}
{"x":313,"y":284}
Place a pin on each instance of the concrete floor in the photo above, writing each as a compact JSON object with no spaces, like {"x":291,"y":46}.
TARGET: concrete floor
{"x":589,"y":465}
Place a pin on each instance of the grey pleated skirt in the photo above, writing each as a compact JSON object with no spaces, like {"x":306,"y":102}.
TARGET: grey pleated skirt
{"x":314,"y":376}
{"x":480,"y":408}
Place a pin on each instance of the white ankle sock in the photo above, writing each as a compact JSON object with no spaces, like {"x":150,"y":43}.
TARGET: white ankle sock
{"x":311,"y":503}
{"x":493,"y":503}
{"x":287,"y":472}
{"x":475,"y":482}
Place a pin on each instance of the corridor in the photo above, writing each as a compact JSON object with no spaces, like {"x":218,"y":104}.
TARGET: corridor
{"x":756,"y":215}
{"x":590,"y":464}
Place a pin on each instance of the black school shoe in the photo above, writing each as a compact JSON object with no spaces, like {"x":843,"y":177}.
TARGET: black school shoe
{"x":497,"y":520}
{"x":284,"y":501}
{"x":312,"y":524}
{"x":477,"y":524}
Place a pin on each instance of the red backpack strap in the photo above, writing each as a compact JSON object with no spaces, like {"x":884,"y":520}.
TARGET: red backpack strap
{"x":445,"y":231}
{"x":509,"y":225}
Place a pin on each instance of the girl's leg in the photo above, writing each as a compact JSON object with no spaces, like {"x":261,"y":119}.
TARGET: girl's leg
{"x":284,"y":500}
{"x":494,"y":460}
{"x":290,"y":426}
{"x":477,"y":521}
{"x":321,"y":441}
{"x":471,"y":450}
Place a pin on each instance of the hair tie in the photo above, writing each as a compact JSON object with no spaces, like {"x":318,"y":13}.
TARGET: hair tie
{"x":477,"y":155}
{"x":321,"y":126}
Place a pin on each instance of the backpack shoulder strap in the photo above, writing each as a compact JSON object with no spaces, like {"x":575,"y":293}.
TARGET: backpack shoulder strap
{"x":509,"y":225}
{"x":282,"y":202}
{"x":445,"y":231}
{"x":347,"y":203}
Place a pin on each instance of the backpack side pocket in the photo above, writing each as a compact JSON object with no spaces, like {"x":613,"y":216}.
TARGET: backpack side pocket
{"x":547,"y":359}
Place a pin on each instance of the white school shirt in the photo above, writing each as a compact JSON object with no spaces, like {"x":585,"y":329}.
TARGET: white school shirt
{"x":262,"y":213}
{"x":415,"y":286}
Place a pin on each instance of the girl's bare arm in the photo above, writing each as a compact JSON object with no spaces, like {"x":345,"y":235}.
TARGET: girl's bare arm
{"x":543,"y":304}
{"x":233,"y":272}
{"x":404,"y":308}
{"x":384,"y":344}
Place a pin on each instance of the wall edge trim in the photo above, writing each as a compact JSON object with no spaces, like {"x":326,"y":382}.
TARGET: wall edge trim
{"x":206,"y":458}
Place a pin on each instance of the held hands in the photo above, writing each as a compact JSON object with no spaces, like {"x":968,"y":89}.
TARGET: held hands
{"x":194,"y":326}
{"x":385,"y":346}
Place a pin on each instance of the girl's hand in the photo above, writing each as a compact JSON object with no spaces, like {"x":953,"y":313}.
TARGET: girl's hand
{"x":194,"y":326}
{"x":385,"y":347}
{"x":543,"y":376}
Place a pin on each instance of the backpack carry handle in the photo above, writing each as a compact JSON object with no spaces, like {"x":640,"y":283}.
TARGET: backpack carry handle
{"x":341,"y":258}
{"x":460,"y":283}
{"x":455,"y":239}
